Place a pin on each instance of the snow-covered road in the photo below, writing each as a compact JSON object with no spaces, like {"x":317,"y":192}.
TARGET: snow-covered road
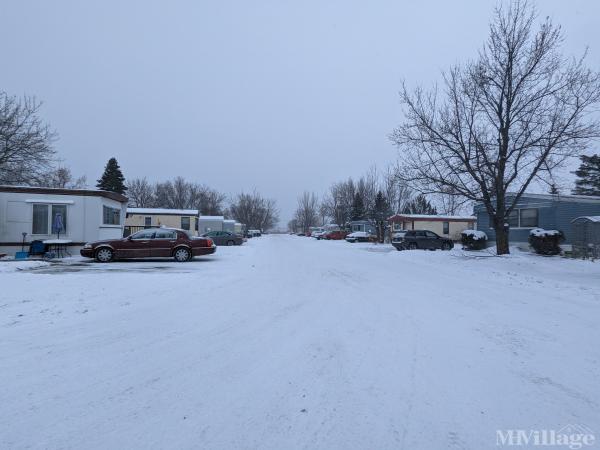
{"x":288,"y":342}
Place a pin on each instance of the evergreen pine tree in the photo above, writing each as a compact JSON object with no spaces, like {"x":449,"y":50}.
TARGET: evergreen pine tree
{"x":420,"y":205}
{"x":588,"y":176}
{"x":381,"y":209}
{"x":112,"y":179}
{"x":358,"y":207}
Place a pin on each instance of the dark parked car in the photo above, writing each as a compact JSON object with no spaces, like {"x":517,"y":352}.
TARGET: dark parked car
{"x":151,"y":243}
{"x":224,"y":238}
{"x":422,"y":239}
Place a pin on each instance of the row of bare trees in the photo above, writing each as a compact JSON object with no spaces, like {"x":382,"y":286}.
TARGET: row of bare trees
{"x":252,"y":209}
{"x":175,"y":194}
{"x":374,"y":196}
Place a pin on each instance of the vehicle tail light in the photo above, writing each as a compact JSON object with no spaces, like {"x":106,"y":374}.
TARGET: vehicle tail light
{"x":209,"y":242}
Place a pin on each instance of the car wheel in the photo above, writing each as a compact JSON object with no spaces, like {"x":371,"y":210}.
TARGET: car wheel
{"x":399,"y":248}
{"x":182,"y":255}
{"x":104,"y":255}
{"x":412,"y":246}
{"x":229,"y":243}
{"x":446,"y":246}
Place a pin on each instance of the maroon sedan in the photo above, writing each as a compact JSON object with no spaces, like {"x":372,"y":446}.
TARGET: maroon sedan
{"x":336,"y":235}
{"x":151,"y":243}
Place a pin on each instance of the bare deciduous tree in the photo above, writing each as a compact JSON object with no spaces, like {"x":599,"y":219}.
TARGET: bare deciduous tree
{"x":323,"y":212}
{"x":367,"y":188}
{"x":514,"y":114}
{"x":182,"y":194}
{"x":307,"y":212}
{"x":255,"y":211}
{"x":397,"y":192}
{"x":451,"y":202}
{"x":333,"y":205}
{"x":339,"y":201}
{"x":26,"y":152}
{"x":140,"y":193}
{"x":61,"y":177}
{"x":211,"y":202}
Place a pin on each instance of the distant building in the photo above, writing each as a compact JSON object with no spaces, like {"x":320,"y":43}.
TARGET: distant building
{"x":547,"y":211}
{"x":362,"y":225}
{"x":210,"y":223}
{"x":229,"y":225}
{"x":140,"y":218}
{"x":239,"y":228}
{"x":86,"y":215}
{"x":447,"y":226}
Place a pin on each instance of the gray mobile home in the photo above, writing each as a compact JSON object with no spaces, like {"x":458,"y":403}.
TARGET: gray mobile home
{"x":547,"y":211}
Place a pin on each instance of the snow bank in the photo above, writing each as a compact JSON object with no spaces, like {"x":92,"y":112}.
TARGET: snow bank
{"x":12,"y":265}
{"x":287,"y":343}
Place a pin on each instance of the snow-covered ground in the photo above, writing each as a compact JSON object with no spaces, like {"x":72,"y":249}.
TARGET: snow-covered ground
{"x":288,"y":342}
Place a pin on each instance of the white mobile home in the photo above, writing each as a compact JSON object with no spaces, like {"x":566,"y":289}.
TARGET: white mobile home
{"x":210,"y":223}
{"x":86,"y":215}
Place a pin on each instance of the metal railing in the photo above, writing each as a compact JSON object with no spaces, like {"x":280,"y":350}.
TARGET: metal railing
{"x":589,"y":251}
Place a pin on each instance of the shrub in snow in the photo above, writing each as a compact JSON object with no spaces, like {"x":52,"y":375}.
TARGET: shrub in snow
{"x":546,"y":242}
{"x":473,"y":239}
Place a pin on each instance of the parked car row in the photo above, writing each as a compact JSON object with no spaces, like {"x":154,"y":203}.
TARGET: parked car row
{"x":322,"y":233}
{"x":151,"y":243}
{"x":337,"y":235}
{"x":401,"y":240}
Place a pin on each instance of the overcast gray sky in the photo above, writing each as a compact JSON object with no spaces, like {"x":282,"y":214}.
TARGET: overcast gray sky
{"x":274,"y":95}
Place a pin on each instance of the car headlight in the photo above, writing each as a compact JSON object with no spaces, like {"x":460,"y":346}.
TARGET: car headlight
{"x":87,"y":246}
